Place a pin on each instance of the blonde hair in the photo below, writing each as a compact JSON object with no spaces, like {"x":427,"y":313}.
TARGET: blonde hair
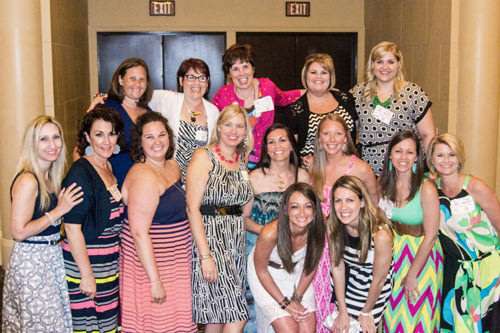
{"x":319,"y":164}
{"x":377,"y":52}
{"x":370,"y":219}
{"x":454,"y":143}
{"x":28,"y":161}
{"x":232,"y":110}
{"x":326,"y":61}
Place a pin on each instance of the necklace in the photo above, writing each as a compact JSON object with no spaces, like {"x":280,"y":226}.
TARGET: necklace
{"x":192,"y":113}
{"x":223,"y":159}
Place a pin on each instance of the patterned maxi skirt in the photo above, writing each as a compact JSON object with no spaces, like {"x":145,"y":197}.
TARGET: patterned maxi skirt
{"x":35,"y":295}
{"x":423,"y":316}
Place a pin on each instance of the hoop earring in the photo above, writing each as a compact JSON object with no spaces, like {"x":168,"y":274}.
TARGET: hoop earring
{"x":88,"y":150}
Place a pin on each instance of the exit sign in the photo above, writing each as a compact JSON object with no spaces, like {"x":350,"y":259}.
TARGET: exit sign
{"x":298,"y":8}
{"x":161,"y":8}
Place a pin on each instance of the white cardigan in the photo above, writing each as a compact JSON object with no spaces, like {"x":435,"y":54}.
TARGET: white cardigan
{"x":169,"y":104}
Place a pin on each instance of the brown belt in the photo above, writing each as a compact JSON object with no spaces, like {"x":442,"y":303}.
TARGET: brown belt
{"x":408,"y":229}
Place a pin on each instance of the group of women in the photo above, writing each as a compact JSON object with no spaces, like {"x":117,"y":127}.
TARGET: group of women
{"x":254,"y":213}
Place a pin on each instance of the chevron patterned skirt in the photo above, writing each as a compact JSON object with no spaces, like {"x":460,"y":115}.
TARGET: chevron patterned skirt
{"x":422,"y":316}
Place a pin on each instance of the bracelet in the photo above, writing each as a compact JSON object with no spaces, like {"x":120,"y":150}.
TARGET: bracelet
{"x":51,"y":220}
{"x":365,"y":314}
{"x":284,"y":303}
{"x":206,"y":256}
{"x":296,"y":297}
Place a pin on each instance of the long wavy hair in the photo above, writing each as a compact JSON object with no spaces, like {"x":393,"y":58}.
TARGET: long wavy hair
{"x":319,"y":164}
{"x":377,"y":52}
{"x":389,"y":174}
{"x":28,"y":161}
{"x":315,"y":233}
{"x":246,"y":145}
{"x":370,"y":219}
{"x":265,"y":159}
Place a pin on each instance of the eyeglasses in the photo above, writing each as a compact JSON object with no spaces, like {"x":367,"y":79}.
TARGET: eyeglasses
{"x":192,"y":78}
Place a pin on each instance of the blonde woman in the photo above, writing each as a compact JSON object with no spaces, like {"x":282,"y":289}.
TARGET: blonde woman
{"x":469,"y":229}
{"x":387,"y":104}
{"x":219,"y":193}
{"x":35,"y":296}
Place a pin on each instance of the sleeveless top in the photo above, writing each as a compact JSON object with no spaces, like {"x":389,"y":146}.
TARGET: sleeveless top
{"x":327,"y":190}
{"x":410,"y":214}
{"x":172,"y":205}
{"x":38,"y":212}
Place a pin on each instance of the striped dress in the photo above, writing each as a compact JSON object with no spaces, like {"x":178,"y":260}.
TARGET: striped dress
{"x":190,"y":137}
{"x":171,"y":239}
{"x":100,"y":314}
{"x":401,"y":314}
{"x":223,"y":301}
{"x":359,"y":277}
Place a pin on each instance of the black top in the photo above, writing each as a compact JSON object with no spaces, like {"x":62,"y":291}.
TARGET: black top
{"x":296,"y":116}
{"x":38,"y":212}
{"x":94,"y":211}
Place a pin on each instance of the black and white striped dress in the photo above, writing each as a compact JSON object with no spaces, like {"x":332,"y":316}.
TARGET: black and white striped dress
{"x":223,"y":301}
{"x":359,"y":277}
{"x":190,"y":137}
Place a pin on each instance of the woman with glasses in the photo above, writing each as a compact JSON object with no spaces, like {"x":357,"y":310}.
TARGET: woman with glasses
{"x":190,"y":115}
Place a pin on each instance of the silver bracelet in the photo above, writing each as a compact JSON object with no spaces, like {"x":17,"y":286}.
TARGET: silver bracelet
{"x":365,"y":314}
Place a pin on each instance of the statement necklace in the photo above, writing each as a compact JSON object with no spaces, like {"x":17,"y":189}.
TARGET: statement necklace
{"x":223,"y":159}
{"x":192,"y":114}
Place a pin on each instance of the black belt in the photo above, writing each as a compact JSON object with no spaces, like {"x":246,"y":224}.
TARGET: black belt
{"x":46,"y":242}
{"x":276,"y":265}
{"x":221,"y":211}
{"x":369,"y":145}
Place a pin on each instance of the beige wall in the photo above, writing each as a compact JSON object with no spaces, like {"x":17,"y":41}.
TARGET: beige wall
{"x":223,"y":15}
{"x":422,"y":30}
{"x":70,"y":59}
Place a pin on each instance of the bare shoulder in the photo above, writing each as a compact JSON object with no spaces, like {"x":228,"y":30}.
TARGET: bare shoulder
{"x":428,"y":187}
{"x":140,"y":175}
{"x":270,"y":232}
{"x":256,"y":175}
{"x":478,"y":187}
{"x":26,"y":182}
{"x":383,"y":235}
{"x":200,"y":155}
{"x":303,"y":176}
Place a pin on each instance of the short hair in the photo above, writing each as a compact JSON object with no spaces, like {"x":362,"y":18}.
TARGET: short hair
{"x":377,"y":52}
{"x":325,"y":60}
{"x":137,"y":152}
{"x":370,"y":218}
{"x":454,"y":143}
{"x":265,"y":159}
{"x":28,"y":161}
{"x":389,"y":175}
{"x":319,"y":164}
{"x":116,"y":91}
{"x":198,"y":66}
{"x":99,"y":112}
{"x":230,"y":111}
{"x":241,"y":52}
{"x":316,"y":230}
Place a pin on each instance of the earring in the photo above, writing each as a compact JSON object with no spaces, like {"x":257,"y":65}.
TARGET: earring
{"x":414,"y":167}
{"x":88,"y":150}
{"x":117,"y":149}
{"x":390,"y":166}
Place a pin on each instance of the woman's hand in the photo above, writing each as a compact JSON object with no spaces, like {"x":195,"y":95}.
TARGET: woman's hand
{"x":208,"y":269}
{"x":367,"y":324}
{"x":68,"y":198}
{"x":158,"y":292}
{"x":297,"y":311}
{"x":341,"y":323}
{"x":307,"y":161}
{"x":99,"y":98}
{"x":88,"y":286}
{"x":410,"y":285}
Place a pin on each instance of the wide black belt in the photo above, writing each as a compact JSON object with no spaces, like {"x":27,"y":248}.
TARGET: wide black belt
{"x":46,"y":242}
{"x":220,"y":211}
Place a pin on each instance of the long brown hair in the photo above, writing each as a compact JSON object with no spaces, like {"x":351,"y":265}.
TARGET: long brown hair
{"x":315,"y":233}
{"x":370,"y":219}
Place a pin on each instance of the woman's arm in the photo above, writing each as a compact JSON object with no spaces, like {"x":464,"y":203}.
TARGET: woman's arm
{"x":341,"y":323}
{"x":367,"y":175}
{"x":24,"y":192}
{"x":196,"y":182}
{"x":426,"y":129}
{"x":78,"y":249}
{"x":382,"y":263}
{"x":487,"y":199}
{"x":430,"y":205}
{"x":143,"y":199}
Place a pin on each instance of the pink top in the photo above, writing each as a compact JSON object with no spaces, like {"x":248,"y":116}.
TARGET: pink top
{"x":227,"y":95}
{"x":326,"y":205}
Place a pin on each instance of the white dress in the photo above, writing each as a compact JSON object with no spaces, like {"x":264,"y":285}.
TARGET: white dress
{"x":267,"y":309}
